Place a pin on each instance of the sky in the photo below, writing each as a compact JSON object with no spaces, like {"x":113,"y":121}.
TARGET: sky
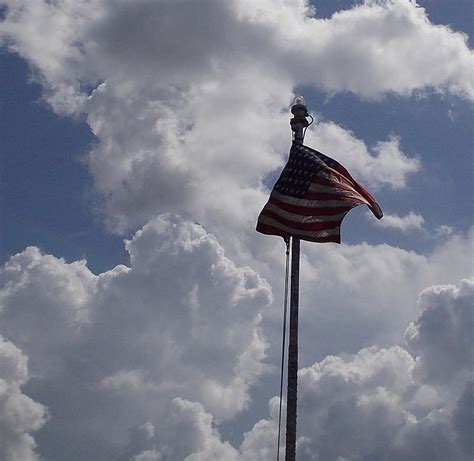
{"x":140,"y":312}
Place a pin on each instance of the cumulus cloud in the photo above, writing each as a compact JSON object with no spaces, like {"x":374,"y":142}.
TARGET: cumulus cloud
{"x":383,"y":165}
{"x":260,"y":441}
{"x":147,"y":455}
{"x":187,"y":433}
{"x":370,"y":49}
{"x":20,"y":416}
{"x":369,"y":405}
{"x":442,"y":335}
{"x":229,"y":160}
{"x":385,"y":46}
{"x":375,"y":404}
{"x":463,"y":419}
{"x":142,"y":444}
{"x":444,"y":231}
{"x":355,"y":408}
{"x":410,"y":222}
{"x":183,"y":321}
{"x":179,"y":119}
{"x":390,"y":278}
{"x":390,"y":403}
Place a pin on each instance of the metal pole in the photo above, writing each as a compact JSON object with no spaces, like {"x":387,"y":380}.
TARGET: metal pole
{"x":291,"y":399}
{"x":298,"y":124}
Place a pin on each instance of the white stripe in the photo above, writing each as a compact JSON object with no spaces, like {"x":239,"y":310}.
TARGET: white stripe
{"x":314,"y":187}
{"x":302,"y":218}
{"x":349,"y":185}
{"x":335,"y":178}
{"x":291,"y":230}
{"x":313,"y":203}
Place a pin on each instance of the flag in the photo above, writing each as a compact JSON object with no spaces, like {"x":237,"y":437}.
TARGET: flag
{"x":311,"y":198}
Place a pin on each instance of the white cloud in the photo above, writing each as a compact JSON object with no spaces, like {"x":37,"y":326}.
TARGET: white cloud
{"x":367,"y":290}
{"x":19,"y":414}
{"x":385,"y":46}
{"x":156,"y":166}
{"x":142,"y":444}
{"x":260,"y":442}
{"x":188,"y":433}
{"x":183,"y":321}
{"x":376,"y":404}
{"x":383,"y":165}
{"x":463,"y":419}
{"x":200,"y":441}
{"x":410,"y":222}
{"x":355,"y":408}
{"x":444,"y":230}
{"x":442,"y":335}
{"x":184,"y":117}
{"x":370,"y":49}
{"x":126,"y":379}
{"x":369,"y":405}
{"x":147,"y":455}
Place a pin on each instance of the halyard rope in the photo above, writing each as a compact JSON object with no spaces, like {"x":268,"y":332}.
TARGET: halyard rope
{"x":285,"y":315}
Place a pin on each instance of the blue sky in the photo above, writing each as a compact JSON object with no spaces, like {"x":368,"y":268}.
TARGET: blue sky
{"x":124,"y":125}
{"x":53,"y":205}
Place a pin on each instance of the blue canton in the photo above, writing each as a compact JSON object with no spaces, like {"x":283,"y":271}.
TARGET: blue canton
{"x":303,"y":164}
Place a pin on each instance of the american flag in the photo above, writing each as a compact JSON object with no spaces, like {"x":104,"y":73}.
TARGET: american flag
{"x":311,"y":198}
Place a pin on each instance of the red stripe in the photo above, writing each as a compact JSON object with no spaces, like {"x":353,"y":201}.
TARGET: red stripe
{"x":316,"y":226}
{"x":308,"y":211}
{"x":342,"y":171}
{"x":270,"y":230}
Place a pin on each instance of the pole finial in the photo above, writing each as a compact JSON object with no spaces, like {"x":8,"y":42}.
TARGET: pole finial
{"x":298,"y":123}
{"x":299,"y":106}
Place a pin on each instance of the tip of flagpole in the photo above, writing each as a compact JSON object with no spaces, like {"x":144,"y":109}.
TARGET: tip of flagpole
{"x":298,"y":107}
{"x":299,"y":123}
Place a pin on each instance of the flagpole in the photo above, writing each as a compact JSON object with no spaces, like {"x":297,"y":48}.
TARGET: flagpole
{"x":298,"y":124}
{"x":292,"y":389}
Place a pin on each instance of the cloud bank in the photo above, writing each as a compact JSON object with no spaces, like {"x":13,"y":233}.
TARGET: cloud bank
{"x":183,"y":319}
{"x":160,"y":353}
{"x":19,"y":414}
{"x":179,"y":117}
